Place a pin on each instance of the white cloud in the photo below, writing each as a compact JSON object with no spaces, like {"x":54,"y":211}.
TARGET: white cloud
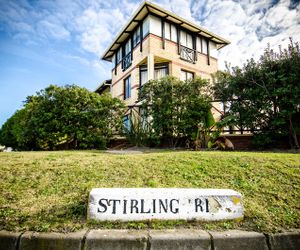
{"x":91,"y":25}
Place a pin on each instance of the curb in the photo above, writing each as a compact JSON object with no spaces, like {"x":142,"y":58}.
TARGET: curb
{"x":149,"y":240}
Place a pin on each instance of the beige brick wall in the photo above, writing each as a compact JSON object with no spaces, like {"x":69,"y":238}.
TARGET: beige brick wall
{"x":153,"y":44}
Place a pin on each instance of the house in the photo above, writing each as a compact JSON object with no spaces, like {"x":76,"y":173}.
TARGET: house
{"x":154,"y":43}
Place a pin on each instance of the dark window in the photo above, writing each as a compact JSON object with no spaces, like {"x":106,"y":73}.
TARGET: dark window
{"x":126,"y":123}
{"x":127,"y":87}
{"x":143,"y":75}
{"x":136,"y":36}
{"x":119,"y":55}
{"x":186,"y":75}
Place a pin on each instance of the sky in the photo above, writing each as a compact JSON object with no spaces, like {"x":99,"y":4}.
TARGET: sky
{"x":61,"y":41}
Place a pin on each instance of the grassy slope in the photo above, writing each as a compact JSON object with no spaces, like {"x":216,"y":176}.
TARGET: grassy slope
{"x":48,"y":191}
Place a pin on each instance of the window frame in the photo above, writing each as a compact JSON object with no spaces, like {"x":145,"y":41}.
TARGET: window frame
{"x":127,"y":87}
{"x":186,"y":74}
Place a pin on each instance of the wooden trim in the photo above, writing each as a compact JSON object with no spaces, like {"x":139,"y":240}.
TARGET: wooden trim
{"x":195,"y":46}
{"x":208,"y":56}
{"x":178,"y":38}
{"x":141,"y":37}
{"x":131,"y":44}
{"x":116,"y":55}
{"x":163,"y":32}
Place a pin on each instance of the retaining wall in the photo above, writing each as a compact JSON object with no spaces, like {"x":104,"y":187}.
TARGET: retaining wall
{"x":148,"y":240}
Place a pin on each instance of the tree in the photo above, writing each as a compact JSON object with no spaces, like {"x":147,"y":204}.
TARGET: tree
{"x":175,"y":108}
{"x":265,"y":94}
{"x":69,"y":116}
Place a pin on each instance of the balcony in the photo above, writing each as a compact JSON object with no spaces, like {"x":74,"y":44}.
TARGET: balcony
{"x":126,"y":61}
{"x":187,"y":54}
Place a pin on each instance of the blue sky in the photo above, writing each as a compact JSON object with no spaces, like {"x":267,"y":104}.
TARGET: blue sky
{"x":61,"y":41}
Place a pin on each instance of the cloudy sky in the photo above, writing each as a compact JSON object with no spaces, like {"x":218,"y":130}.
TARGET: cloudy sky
{"x":60,"y":41}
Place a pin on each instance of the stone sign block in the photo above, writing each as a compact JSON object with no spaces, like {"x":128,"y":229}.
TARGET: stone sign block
{"x":135,"y":204}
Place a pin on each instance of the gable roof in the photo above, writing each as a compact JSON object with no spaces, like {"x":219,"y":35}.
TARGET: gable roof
{"x":144,"y":9}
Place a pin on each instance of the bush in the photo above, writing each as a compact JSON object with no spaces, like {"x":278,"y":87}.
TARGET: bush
{"x":265,"y":94}
{"x":67,"y":117}
{"x":175,"y":108}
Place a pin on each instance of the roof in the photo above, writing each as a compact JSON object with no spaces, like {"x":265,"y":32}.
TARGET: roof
{"x":102,"y":86}
{"x":143,"y":10}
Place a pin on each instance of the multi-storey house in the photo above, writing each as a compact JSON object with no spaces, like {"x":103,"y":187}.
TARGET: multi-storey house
{"x":155,"y":43}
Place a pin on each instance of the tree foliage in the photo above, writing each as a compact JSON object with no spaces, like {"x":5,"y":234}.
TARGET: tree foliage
{"x":175,"y":108}
{"x":63,"y":116}
{"x":265,"y":94}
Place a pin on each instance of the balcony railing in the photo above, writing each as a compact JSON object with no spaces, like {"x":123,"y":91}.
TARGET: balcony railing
{"x":126,"y":61}
{"x":187,"y":54}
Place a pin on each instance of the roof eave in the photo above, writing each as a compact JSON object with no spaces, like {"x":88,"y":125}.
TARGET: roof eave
{"x":147,"y":4}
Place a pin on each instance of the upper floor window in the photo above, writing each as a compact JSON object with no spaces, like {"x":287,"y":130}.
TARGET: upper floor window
{"x":146,"y":27}
{"x":119,"y":55}
{"x":127,"y":87}
{"x":126,"y":61}
{"x":186,"y":39}
{"x":136,"y":36}
{"x":173,"y":33}
{"x":168,"y":31}
{"x":127,"y":47}
{"x":204,"y":46}
{"x":186,"y":75}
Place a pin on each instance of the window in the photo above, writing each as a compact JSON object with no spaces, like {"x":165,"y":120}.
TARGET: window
{"x":160,"y":70}
{"x":136,"y":36}
{"x":199,"y":46}
{"x":186,"y":75}
{"x":119,"y":55}
{"x":167,"y":31}
{"x":127,"y":47}
{"x":186,"y":39}
{"x":173,"y":33}
{"x":143,"y":75}
{"x":126,"y":123}
{"x":113,"y":61}
{"x":146,"y":27}
{"x":127,"y":87}
{"x":155,"y":25}
{"x":204,"y":46}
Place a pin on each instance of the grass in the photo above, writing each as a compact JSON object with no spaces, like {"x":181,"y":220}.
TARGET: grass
{"x":48,"y":191}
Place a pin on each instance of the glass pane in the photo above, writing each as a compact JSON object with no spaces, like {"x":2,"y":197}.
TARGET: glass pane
{"x":183,"y":38}
{"x":198,"y":44}
{"x":159,"y":73}
{"x":189,"y":76}
{"x":204,"y":46}
{"x":136,"y":37}
{"x":167,"y":31}
{"x":146,"y":27}
{"x":173,"y":33}
{"x":127,"y":47}
{"x":126,"y":123}
{"x":189,"y":41}
{"x":144,"y":77}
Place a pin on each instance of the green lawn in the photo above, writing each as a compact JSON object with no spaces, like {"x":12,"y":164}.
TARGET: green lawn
{"x":48,"y":191}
